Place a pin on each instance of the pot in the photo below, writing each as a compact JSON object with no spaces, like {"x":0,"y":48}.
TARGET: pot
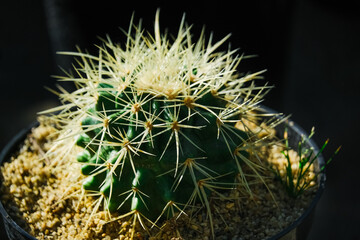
{"x":296,"y":231}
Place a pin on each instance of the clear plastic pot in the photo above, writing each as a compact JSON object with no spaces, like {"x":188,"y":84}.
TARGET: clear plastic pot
{"x":298,"y":230}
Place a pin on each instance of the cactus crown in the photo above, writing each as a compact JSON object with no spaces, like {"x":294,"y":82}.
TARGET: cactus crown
{"x":155,"y":121}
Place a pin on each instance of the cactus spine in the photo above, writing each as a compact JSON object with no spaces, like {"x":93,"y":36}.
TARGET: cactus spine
{"x":156,"y":122}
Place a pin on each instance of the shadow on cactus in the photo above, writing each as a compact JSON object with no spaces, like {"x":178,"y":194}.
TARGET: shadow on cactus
{"x":156,"y":123}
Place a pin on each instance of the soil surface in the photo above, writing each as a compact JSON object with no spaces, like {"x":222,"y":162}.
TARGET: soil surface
{"x":48,"y":203}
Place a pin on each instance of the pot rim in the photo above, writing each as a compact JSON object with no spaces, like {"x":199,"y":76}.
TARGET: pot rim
{"x":15,"y":143}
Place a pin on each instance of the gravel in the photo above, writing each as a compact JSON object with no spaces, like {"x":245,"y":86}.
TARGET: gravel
{"x":48,"y":202}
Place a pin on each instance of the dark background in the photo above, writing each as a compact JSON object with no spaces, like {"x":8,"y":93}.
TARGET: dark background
{"x":310,"y":48}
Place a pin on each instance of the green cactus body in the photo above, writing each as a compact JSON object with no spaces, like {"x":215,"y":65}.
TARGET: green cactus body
{"x":147,"y":168}
{"x":156,"y":122}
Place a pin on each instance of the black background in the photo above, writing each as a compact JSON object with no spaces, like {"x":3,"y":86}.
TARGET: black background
{"x":311,"y":50}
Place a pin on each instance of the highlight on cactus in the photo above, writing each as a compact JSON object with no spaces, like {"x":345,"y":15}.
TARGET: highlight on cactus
{"x":160,"y":124}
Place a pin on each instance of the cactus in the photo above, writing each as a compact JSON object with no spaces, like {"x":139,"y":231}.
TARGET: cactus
{"x":156,"y":122}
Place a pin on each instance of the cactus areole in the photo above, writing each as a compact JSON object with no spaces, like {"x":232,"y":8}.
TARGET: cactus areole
{"x":156,"y":122}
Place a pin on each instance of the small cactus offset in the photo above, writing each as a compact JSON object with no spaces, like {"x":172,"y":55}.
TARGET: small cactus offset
{"x":156,"y":123}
